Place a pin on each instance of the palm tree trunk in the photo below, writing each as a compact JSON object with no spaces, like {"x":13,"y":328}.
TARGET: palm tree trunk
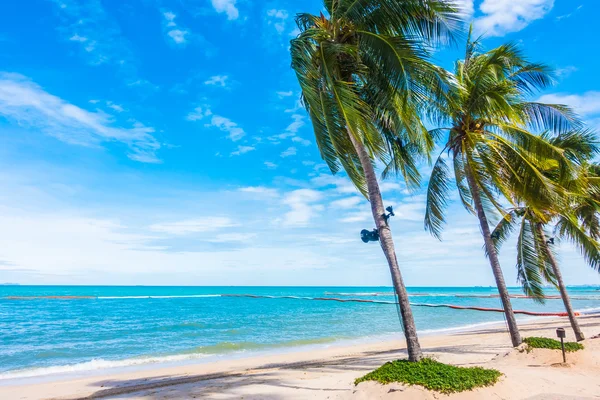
{"x":515,"y":336}
{"x":561,"y":285}
{"x":387,"y":245}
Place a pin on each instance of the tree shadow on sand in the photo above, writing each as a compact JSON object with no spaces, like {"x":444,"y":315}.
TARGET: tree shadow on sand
{"x":262,"y":380}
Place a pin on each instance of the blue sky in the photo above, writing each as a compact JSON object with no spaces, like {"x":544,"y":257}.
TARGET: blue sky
{"x":162,"y":142}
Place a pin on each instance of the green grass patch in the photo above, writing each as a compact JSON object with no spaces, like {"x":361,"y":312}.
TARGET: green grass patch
{"x":433,"y":375}
{"x":553,"y":344}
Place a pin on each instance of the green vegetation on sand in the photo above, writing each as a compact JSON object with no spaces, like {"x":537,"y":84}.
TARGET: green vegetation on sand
{"x":433,"y":375}
{"x":545,"y":343}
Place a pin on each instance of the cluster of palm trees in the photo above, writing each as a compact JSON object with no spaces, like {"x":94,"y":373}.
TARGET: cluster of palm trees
{"x":373,"y":94}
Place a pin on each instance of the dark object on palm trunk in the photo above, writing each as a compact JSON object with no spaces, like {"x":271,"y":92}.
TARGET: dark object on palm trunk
{"x":369,"y":236}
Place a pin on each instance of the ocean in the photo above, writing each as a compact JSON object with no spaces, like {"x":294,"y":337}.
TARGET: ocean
{"x":124,"y":326}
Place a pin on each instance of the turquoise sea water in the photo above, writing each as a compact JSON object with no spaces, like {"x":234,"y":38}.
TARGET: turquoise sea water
{"x":119,"y":326}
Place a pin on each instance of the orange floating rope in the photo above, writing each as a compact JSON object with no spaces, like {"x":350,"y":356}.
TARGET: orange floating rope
{"x":533,"y":313}
{"x":258,"y":296}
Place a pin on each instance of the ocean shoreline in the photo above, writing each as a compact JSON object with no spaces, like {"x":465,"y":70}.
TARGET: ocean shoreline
{"x":329,"y":373}
{"x":150,"y":362}
{"x":134,"y":328}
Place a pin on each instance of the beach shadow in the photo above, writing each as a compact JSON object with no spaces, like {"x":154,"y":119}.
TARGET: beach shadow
{"x":230,"y":385}
{"x":274,"y":381}
{"x":464,"y":349}
{"x":263,"y":380}
{"x":223,"y":385}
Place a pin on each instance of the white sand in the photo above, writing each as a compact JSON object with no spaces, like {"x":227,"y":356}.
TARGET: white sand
{"x":329,"y":373}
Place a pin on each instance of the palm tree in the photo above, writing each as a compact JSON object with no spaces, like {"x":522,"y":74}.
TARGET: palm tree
{"x":364,"y":73}
{"x":576,"y":219}
{"x":492,"y":144}
{"x":585,"y":208}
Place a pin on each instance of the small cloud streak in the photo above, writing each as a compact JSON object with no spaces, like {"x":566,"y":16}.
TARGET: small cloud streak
{"x":260,"y":190}
{"x":198,"y":114}
{"x":585,"y":104}
{"x":178,"y":35}
{"x":226,"y":7}
{"x":569,"y":15}
{"x":242,"y":150}
{"x":217,"y":80}
{"x":28,"y":104}
{"x":503,"y":16}
{"x":290,"y":151}
{"x":227,"y":125}
{"x":234,"y":131}
{"x":302,"y":206}
{"x":566,"y":71}
{"x":282,"y":94}
{"x":190,"y":226}
{"x":277,"y":18}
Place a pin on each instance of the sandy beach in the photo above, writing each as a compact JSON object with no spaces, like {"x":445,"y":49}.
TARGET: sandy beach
{"x":329,"y":373}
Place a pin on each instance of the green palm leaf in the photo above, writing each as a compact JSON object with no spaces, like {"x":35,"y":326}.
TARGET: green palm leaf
{"x":528,"y":268}
{"x":568,"y":227}
{"x":437,"y":195}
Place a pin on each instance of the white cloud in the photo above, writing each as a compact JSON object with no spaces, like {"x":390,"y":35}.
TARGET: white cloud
{"x":585,"y":104}
{"x":466,"y":7}
{"x":232,"y":237}
{"x":343,"y":185}
{"x":117,"y":107}
{"x":143,"y":83}
{"x":217,"y":80}
{"x":170,"y":18}
{"x":29,"y":105}
{"x":227,"y":7}
{"x":506,"y":16}
{"x":77,"y":38}
{"x":359,"y":216}
{"x":296,"y":125}
{"x":189,"y":226}
{"x":260,"y":190}
{"x":86,"y":24}
{"x":297,"y":106}
{"x":75,"y":249}
{"x":177,"y":34}
{"x":411,"y":211}
{"x":279,"y":14}
{"x":277,"y":18}
{"x":227,"y":125}
{"x":302,"y":206}
{"x":303,"y":142}
{"x":111,"y":244}
{"x":387,"y":186}
{"x":334,"y":240}
{"x":270,"y":165}
{"x":569,"y":15}
{"x":242,"y":150}
{"x":566,"y":71}
{"x":198,"y":114}
{"x":346,"y":203}
{"x":290,"y":151}
{"x":291,"y":131}
{"x":281,"y":95}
